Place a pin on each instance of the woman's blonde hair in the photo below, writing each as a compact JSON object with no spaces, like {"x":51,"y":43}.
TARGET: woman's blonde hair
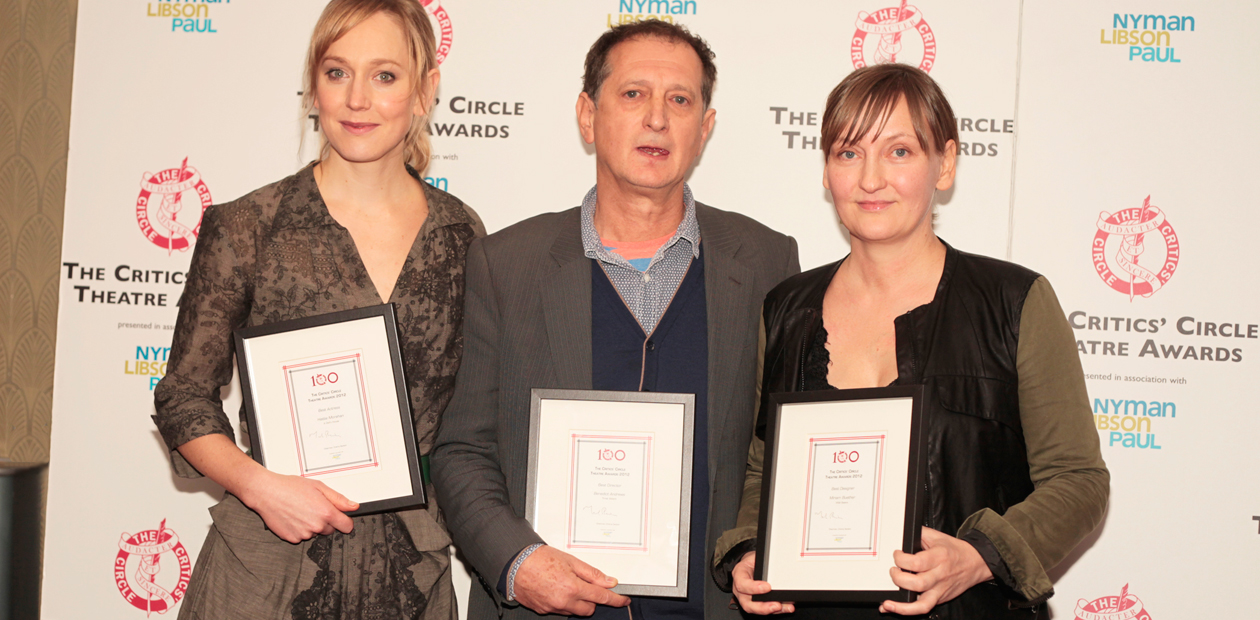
{"x":338,"y":18}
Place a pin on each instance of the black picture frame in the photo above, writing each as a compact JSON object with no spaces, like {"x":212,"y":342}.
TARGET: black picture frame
{"x":417,"y":495}
{"x":912,"y":520}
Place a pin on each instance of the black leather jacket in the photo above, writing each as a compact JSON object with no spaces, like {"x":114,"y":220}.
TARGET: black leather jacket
{"x":962,"y":347}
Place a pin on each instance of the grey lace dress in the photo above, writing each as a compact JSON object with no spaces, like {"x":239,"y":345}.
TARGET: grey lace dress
{"x":277,"y":254}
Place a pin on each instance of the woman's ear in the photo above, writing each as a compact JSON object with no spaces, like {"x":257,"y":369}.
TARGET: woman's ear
{"x":427,"y":92}
{"x":948,"y":164}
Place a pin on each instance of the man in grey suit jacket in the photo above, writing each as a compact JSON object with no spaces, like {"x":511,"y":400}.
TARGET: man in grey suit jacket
{"x":547,"y":305}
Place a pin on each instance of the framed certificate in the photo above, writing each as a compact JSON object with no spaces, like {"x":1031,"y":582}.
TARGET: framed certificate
{"x":841,"y":489}
{"x":610,"y":483}
{"x":325,"y":399}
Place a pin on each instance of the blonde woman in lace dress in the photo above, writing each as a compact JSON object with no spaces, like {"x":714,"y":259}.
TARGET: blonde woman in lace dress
{"x":356,"y":228}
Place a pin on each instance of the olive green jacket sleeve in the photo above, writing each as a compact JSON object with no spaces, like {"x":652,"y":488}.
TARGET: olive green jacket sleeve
{"x":1065,"y":463}
{"x":745,"y":529}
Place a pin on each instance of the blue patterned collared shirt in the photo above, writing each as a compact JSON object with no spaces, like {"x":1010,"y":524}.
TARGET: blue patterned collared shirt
{"x":647,"y":293}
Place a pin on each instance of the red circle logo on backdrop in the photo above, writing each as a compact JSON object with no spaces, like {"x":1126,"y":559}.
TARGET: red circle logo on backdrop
{"x":152,"y":569}
{"x":161,"y":208}
{"x":1123,"y":607}
{"x":442,"y":26}
{"x":900,"y":35}
{"x":1135,"y":251}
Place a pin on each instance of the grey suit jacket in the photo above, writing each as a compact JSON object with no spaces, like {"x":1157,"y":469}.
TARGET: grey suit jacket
{"x":527,"y":325}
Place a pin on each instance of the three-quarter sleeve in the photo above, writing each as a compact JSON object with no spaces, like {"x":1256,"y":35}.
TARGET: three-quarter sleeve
{"x":1070,"y":480}
{"x":216,"y":300}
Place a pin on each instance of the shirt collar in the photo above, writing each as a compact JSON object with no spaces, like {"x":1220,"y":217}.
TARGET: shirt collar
{"x":688,"y":228}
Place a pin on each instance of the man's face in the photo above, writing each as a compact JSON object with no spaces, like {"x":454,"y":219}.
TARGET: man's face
{"x":650,"y":123}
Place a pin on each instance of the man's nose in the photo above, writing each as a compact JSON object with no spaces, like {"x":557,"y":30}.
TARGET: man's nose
{"x":657,"y":119}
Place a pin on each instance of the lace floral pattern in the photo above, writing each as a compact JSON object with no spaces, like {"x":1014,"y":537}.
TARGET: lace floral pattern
{"x":277,"y":254}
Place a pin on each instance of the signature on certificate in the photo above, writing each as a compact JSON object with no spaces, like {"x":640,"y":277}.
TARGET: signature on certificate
{"x":598,"y":511}
{"x":827,"y":514}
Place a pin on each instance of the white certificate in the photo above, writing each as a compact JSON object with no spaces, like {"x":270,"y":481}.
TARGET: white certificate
{"x":328,"y":404}
{"x":610,"y":483}
{"x":325,"y":398}
{"x":842,"y":500}
{"x":610,"y":495}
{"x":841,"y":491}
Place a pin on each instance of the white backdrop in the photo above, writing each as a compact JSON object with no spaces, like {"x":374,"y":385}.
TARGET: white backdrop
{"x":1061,"y":124}
{"x":1099,"y":134}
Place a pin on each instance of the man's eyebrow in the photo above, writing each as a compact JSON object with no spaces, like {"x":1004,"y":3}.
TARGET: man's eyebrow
{"x":676,"y":86}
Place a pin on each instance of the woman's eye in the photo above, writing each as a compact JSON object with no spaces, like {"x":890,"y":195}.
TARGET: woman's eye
{"x":847,"y":155}
{"x":386,"y":77}
{"x":900,"y":152}
{"x":335,"y":74}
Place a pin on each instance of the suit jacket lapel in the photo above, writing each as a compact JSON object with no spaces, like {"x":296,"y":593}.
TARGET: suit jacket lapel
{"x":725,"y":280}
{"x":566,"y":300}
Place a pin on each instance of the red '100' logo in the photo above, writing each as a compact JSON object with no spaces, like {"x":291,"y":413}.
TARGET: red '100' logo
{"x":845,"y":457}
{"x":612,"y":455}
{"x":321,"y":379}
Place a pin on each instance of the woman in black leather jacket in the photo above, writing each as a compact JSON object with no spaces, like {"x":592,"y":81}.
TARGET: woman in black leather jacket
{"x":1014,"y":474}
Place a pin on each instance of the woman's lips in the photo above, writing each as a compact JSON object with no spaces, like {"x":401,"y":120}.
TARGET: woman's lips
{"x":874,"y":205}
{"x":653,"y":151}
{"x":358,"y":129}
